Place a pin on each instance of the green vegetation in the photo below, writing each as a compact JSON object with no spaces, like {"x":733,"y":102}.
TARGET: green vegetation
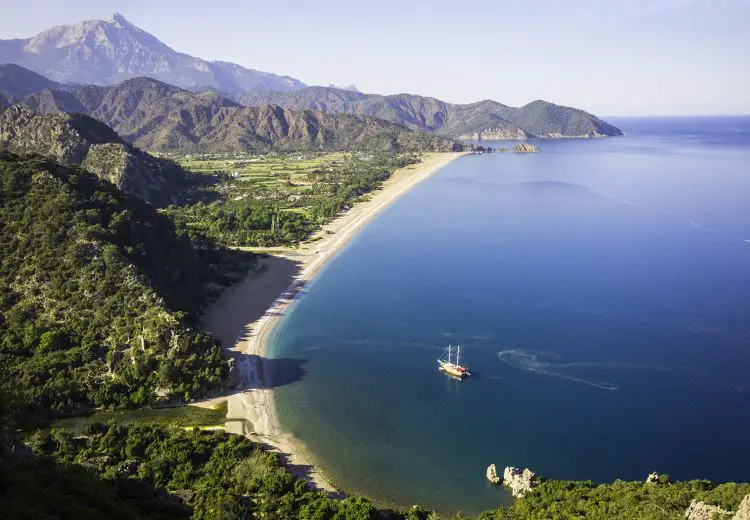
{"x":273,"y":200}
{"x":155,"y":472}
{"x":621,"y":500}
{"x":176,"y":416}
{"x":99,"y":294}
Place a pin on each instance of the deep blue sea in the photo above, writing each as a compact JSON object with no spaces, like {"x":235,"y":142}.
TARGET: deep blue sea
{"x":600,"y":291}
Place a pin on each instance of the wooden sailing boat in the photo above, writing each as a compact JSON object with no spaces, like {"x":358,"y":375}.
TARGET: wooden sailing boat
{"x":453,"y":369}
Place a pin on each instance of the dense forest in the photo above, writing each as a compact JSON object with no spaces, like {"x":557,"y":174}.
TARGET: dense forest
{"x":157,"y":472}
{"x":99,"y":294}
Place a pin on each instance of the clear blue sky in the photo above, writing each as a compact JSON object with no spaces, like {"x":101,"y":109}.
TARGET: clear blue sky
{"x":611,"y":57}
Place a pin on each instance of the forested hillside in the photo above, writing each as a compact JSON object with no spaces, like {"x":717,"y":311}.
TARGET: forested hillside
{"x":157,"y":472}
{"x":99,"y":294}
{"x":76,"y":139}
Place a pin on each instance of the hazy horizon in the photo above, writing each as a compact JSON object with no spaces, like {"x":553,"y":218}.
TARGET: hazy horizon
{"x":667,"y":57}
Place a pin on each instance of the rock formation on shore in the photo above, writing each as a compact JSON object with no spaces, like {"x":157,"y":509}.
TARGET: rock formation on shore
{"x":702,"y":511}
{"x":743,"y":511}
{"x":699,"y":510}
{"x":519,"y":481}
{"x":656,"y":478}
{"x":492,"y":475}
{"x":525,"y":148}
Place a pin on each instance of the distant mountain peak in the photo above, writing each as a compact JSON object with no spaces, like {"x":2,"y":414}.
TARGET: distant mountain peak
{"x":105,"y":52}
{"x":117,"y":17}
{"x":351,"y":88}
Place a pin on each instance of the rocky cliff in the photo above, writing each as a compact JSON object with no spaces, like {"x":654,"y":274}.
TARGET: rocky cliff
{"x":75,"y":139}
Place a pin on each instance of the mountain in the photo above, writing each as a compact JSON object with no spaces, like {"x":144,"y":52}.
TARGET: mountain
{"x":482,"y":120}
{"x":103,"y":52}
{"x":76,"y":139}
{"x":100,"y":294}
{"x":352,"y":88}
{"x":16,"y":81}
{"x":160,"y":117}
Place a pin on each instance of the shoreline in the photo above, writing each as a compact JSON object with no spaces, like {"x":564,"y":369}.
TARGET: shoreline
{"x":244,"y":316}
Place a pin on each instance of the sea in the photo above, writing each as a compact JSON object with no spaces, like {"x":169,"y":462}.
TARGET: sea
{"x":600,"y":293}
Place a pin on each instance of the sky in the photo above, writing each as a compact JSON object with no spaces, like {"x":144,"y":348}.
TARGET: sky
{"x":609,"y":57}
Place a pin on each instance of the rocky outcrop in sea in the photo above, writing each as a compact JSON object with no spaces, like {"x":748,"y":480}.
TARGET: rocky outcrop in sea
{"x":492,"y":475}
{"x":525,"y":148}
{"x":519,"y":481}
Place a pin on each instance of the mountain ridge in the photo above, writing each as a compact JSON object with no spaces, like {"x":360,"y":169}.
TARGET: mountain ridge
{"x":486,"y":119}
{"x":109,"y":51}
{"x":156,"y":116}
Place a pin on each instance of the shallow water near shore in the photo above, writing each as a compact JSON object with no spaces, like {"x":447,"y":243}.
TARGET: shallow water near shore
{"x":600,"y":291}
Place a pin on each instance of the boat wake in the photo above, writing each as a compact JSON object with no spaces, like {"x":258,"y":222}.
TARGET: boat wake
{"x":692,"y":223}
{"x":550,"y":364}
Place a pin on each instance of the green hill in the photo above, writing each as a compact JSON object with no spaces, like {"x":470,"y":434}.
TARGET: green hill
{"x":76,"y":139}
{"x":99,"y":294}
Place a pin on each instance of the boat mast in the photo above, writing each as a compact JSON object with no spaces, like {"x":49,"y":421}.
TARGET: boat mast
{"x":449,"y":353}
{"x":458,"y":354}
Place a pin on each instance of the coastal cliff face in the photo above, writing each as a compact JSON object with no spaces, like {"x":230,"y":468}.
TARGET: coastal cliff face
{"x":496,"y":134}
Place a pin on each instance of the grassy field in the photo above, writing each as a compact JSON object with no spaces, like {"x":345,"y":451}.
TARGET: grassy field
{"x":287,"y":172}
{"x":181,"y":417}
{"x":278,"y":199}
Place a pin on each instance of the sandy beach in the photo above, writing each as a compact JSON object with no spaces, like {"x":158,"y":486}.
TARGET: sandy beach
{"x":245,"y":315}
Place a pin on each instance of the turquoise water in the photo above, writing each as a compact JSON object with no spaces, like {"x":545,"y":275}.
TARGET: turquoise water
{"x":600,"y":291}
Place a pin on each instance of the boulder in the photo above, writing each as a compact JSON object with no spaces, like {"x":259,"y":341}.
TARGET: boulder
{"x":655,"y":478}
{"x":702,"y":511}
{"x":492,"y":475}
{"x":519,"y":481}
{"x":525,"y":148}
{"x":743,"y":511}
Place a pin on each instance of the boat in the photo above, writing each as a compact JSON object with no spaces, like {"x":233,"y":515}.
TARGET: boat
{"x":453,"y":369}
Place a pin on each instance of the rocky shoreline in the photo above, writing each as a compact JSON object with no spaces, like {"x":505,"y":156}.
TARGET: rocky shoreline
{"x":519,"y":481}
